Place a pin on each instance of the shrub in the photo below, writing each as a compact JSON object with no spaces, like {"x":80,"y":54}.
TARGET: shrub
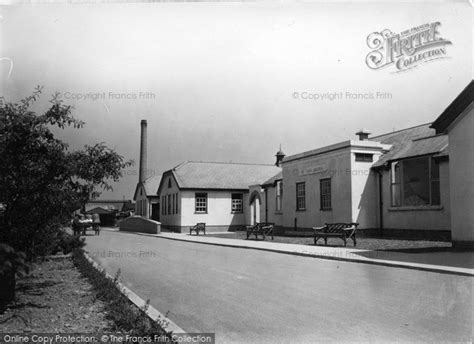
{"x":12,"y":263}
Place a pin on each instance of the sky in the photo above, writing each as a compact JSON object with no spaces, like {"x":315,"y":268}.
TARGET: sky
{"x":227,"y":81}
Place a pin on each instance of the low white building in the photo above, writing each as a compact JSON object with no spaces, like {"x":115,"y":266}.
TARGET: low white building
{"x":458,"y":122}
{"x":215,"y":193}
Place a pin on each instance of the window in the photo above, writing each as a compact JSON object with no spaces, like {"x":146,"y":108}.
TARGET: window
{"x":279,"y":194}
{"x":176,"y":206}
{"x":395,"y":184}
{"x":168,"y":202}
{"x":237,"y":203}
{"x":325,"y":190}
{"x":415,"y":182}
{"x":364,"y":157}
{"x":163,"y":201}
{"x":300,"y":196}
{"x":201,"y":203}
{"x":169,"y":183}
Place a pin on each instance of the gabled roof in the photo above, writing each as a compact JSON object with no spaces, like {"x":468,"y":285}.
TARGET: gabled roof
{"x":457,"y":107}
{"x":150,"y":185}
{"x":221,"y":175}
{"x":108,"y":201}
{"x":99,"y":210}
{"x":411,"y":142}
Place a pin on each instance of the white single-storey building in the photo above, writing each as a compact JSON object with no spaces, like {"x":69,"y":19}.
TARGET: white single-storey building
{"x":216,"y":193}
{"x":458,"y":122}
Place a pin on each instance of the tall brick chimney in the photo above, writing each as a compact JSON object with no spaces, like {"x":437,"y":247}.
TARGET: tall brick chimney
{"x":143,"y":152}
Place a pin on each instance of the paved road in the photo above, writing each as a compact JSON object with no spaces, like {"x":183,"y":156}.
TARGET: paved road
{"x":247,"y":296}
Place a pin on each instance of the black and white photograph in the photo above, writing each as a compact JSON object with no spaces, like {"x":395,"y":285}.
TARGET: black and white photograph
{"x":236,"y":171}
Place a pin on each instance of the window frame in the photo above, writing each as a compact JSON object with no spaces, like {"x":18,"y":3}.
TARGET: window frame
{"x":364,"y":157}
{"x":204,"y":196}
{"x":177,"y":203}
{"x":278,"y":196}
{"x":400,"y":184}
{"x":325,"y":194}
{"x":301,"y":196}
{"x":241,"y":203}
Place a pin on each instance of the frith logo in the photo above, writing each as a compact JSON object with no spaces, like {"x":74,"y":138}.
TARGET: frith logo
{"x":407,"y":49}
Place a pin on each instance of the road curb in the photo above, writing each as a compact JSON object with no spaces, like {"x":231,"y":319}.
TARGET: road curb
{"x":151,"y":312}
{"x":394,"y":264}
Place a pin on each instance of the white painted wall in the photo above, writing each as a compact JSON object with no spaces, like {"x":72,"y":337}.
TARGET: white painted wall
{"x":170,"y":219}
{"x":142,"y":206}
{"x":461,"y":170}
{"x":219,"y":209}
{"x":364,"y":190}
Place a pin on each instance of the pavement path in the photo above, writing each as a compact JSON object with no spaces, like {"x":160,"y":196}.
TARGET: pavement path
{"x":253,"y":296}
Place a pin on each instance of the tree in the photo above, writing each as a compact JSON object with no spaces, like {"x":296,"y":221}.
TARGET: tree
{"x":41,"y":182}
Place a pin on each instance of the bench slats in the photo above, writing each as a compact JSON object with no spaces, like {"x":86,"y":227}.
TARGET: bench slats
{"x":343,"y":230}
{"x":261,"y":228}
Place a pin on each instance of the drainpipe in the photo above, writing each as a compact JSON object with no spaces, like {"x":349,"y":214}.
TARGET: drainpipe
{"x":266,"y":205}
{"x":380,"y":201}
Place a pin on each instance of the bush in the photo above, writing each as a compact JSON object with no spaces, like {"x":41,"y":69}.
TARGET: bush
{"x":12,"y":263}
{"x":68,"y":243}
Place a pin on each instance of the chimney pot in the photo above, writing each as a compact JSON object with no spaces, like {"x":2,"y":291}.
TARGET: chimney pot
{"x":363,"y":134}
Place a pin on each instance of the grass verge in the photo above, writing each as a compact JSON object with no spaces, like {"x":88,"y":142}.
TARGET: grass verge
{"x":126,"y":317}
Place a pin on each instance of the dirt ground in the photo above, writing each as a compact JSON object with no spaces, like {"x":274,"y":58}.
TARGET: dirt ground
{"x":54,"y":297}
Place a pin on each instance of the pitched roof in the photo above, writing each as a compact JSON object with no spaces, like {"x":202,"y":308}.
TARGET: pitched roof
{"x":108,"y":201}
{"x":99,"y":210}
{"x":457,"y":107}
{"x":222,"y":175}
{"x":411,"y":142}
{"x":274,"y":179}
{"x":151,"y":185}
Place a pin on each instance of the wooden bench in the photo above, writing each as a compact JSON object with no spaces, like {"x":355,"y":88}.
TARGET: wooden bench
{"x":199,"y":227}
{"x":261,"y":228}
{"x":342,"y":230}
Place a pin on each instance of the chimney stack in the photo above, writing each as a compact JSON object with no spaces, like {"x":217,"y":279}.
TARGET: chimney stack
{"x":143,"y":152}
{"x":363,"y":134}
